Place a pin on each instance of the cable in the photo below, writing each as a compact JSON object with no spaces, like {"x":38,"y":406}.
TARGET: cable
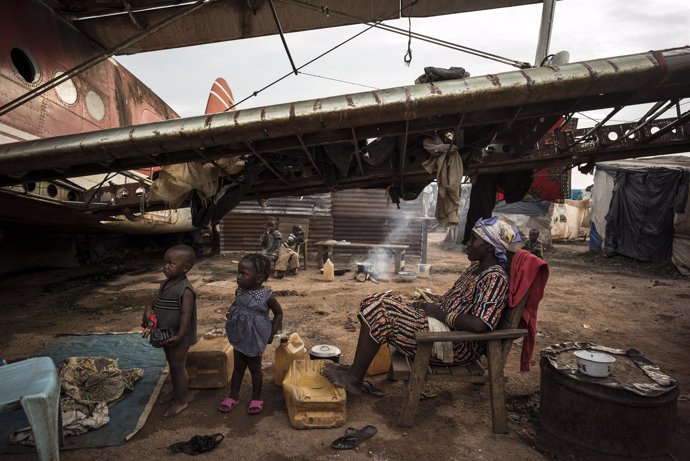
{"x":421,"y":37}
{"x":337,"y":80}
{"x":327,"y":12}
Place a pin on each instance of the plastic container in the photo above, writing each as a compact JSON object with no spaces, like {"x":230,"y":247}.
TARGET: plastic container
{"x":325,"y":352}
{"x":328,"y":271}
{"x":381,"y":363}
{"x":423,"y":270}
{"x":209,"y":363}
{"x":290,"y":349}
{"x":313,"y":401}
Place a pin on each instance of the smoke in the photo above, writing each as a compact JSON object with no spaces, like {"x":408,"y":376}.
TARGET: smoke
{"x":381,"y":259}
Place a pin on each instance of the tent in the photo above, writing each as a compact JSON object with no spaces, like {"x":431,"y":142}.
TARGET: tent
{"x":640,"y":210}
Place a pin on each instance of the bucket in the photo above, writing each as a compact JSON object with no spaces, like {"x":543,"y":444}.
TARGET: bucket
{"x":423,"y":270}
{"x":325,"y":352}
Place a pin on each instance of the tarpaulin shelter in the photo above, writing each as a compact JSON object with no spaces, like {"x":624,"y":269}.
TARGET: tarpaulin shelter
{"x":640,"y":210}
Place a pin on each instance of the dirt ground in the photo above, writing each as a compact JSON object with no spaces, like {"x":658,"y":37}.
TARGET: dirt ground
{"x":614,"y":302}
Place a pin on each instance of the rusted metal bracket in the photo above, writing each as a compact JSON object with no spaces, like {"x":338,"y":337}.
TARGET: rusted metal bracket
{"x":266,"y":163}
{"x":309,"y":156}
{"x":282,"y":36}
{"x":357,"y":154}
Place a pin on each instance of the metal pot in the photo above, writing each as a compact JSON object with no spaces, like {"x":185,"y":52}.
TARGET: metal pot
{"x":325,"y":352}
{"x":364,"y":268}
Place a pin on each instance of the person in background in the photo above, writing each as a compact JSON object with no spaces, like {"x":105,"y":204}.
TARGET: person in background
{"x":534,"y":245}
{"x":288,"y":255}
{"x":271,"y":240}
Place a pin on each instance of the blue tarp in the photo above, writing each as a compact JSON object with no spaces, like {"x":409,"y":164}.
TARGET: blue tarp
{"x":131,"y":351}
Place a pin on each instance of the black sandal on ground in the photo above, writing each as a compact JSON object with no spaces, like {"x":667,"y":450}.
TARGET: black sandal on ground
{"x":197,"y":444}
{"x":353,"y":437}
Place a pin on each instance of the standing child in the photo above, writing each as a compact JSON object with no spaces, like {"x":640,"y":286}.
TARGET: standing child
{"x":175,"y":309}
{"x":249,"y":329}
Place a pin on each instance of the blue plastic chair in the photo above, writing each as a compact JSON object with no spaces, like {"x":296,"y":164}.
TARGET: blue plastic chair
{"x":33,"y":384}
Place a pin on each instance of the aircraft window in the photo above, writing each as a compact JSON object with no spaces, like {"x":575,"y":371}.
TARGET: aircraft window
{"x":654,"y":129}
{"x":72,"y":196}
{"x":52,"y":190}
{"x":95,"y":106}
{"x":30,"y":186}
{"x":66,"y":91}
{"x":612,"y":135}
{"x":25,"y":64}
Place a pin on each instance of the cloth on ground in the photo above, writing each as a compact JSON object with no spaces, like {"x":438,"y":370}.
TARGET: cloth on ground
{"x":528,"y":276}
{"x":88,"y":386}
{"x":126,"y":416}
{"x":445,"y":161}
{"x":442,"y":350}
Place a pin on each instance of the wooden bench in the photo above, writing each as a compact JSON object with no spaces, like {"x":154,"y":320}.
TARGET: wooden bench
{"x":325,"y":251}
{"x":498,"y":343}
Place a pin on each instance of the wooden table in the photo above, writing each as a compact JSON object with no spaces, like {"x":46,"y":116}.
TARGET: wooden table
{"x":324,"y":250}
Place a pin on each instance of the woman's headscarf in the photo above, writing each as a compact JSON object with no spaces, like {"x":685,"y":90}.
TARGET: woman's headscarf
{"x":498,"y":233}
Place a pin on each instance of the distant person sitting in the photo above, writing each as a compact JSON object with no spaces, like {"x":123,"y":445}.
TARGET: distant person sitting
{"x":270,"y":240}
{"x":534,"y":245}
{"x":288,"y":254}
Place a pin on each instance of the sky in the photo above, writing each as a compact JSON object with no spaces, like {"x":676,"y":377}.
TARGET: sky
{"x":587,"y":29}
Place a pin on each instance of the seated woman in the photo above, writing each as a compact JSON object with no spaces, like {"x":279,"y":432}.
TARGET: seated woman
{"x":474,"y":303}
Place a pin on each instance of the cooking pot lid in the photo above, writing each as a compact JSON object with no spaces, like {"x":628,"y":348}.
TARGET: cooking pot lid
{"x":324,"y":350}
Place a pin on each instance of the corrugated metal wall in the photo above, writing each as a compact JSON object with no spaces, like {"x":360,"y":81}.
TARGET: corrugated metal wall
{"x":240,"y":229}
{"x":356,"y":215}
{"x":364,"y":215}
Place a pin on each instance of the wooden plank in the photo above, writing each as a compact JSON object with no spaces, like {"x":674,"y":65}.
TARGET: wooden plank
{"x":415,"y":385}
{"x":460,"y":336}
{"x":499,"y":414}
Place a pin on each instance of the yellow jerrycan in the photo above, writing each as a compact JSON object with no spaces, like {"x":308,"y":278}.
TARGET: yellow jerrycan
{"x":291,"y":348}
{"x":328,"y":271}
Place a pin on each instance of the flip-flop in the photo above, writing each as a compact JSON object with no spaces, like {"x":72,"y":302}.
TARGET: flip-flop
{"x":197,"y":444}
{"x":354,"y":437}
{"x":369,"y":388}
{"x":255,"y":407}
{"x":227,"y":404}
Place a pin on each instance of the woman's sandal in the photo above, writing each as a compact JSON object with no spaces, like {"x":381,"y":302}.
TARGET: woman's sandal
{"x":227,"y":405}
{"x":255,"y":407}
{"x":369,"y":388}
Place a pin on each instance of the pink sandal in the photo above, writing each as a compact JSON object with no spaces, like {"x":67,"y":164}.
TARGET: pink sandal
{"x":255,"y":407}
{"x":227,"y":404}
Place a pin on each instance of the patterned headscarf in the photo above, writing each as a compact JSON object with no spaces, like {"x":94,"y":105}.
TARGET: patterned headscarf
{"x":498,"y":233}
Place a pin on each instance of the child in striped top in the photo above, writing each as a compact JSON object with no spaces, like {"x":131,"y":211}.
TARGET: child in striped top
{"x":175,"y":309}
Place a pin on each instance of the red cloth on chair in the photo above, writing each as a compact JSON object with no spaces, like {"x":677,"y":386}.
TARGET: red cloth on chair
{"x":528,"y":276}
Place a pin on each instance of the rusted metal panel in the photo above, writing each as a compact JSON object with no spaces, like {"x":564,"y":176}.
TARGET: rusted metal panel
{"x":373,"y":203}
{"x":366,"y":216}
{"x":241,"y":231}
{"x":308,"y":205}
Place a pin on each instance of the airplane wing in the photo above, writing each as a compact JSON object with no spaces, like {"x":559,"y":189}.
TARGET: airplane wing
{"x":110,"y":23}
{"x":319,"y":145}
